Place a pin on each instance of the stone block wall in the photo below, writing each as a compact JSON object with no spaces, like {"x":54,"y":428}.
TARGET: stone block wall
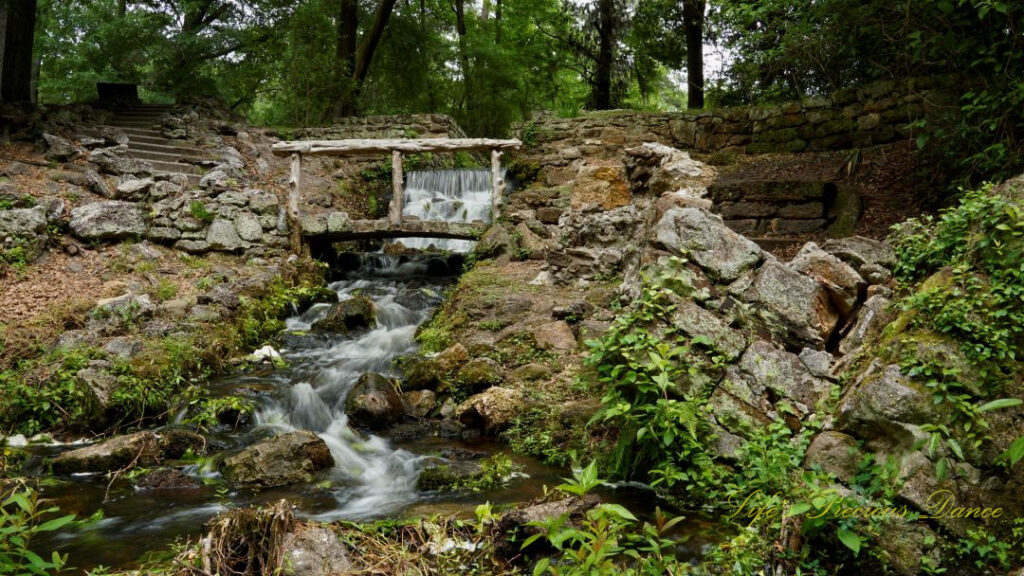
{"x":878,"y":113}
{"x":397,"y":126}
{"x":759,"y":209}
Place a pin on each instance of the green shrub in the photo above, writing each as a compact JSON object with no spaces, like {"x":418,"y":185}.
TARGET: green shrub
{"x":199,"y":211}
{"x":21,"y":519}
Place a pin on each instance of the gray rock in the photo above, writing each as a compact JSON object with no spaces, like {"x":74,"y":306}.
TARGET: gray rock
{"x":225,"y":295}
{"x":99,"y":382}
{"x":835,"y":453}
{"x":279,"y":461}
{"x":702,"y":236}
{"x":59,"y":149}
{"x":882,"y":396}
{"x":419,"y":403}
{"x":349,"y":314}
{"x":697,"y":322}
{"x":192,"y":246}
{"x":248,"y":227}
{"x":163,"y":234}
{"x":782,"y":372}
{"x":313,"y":223}
{"x":110,"y":220}
{"x":26,"y":223}
{"x":222,"y":236}
{"x":843,"y":284}
{"x":479,"y":373}
{"x":374,"y":402}
{"x":555,"y":335}
{"x":129,"y":304}
{"x":204,"y":313}
{"x":124,"y":348}
{"x":818,"y":362}
{"x":337,"y":222}
{"x":118,"y":161}
{"x":263,"y":202}
{"x":233,"y":198}
{"x":119,"y":452}
{"x":858,"y":251}
{"x":314,"y":550}
{"x":133,"y":189}
{"x":163,"y":189}
{"x":872,"y":317}
{"x":797,"y":302}
{"x":492,"y":410}
{"x":215,"y":179}
{"x":54,"y":207}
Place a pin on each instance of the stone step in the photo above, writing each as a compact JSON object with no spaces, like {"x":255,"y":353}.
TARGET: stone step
{"x":175,"y":168}
{"x":132,"y":131}
{"x":143,"y":125}
{"x":151,"y":156}
{"x":771,"y":243}
{"x":173,"y":147}
{"x":193,"y":179}
{"x":155,"y":118}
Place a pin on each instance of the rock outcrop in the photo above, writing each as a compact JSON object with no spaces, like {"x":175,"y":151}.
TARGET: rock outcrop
{"x":279,"y":461}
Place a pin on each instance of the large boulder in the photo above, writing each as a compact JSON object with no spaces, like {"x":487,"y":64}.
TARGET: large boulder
{"x":221,"y":235}
{"x":703,"y":237}
{"x":492,"y":410}
{"x":60,"y":149}
{"x":139,"y":449}
{"x":111,"y":220}
{"x":348,"y":315}
{"x":844,"y":285}
{"x":374,"y":402}
{"x":871,"y":318}
{"x":286,"y":459}
{"x":555,"y":335}
{"x":696,"y":322}
{"x":881,"y":404}
{"x":783,"y":373}
{"x":861,"y":252}
{"x":797,"y":302}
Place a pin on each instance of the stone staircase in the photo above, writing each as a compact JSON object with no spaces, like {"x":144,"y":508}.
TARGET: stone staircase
{"x":141,"y":123}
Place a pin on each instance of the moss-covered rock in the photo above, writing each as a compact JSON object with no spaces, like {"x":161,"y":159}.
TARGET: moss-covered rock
{"x":374,"y":402}
{"x":348,"y":315}
{"x":279,"y":461}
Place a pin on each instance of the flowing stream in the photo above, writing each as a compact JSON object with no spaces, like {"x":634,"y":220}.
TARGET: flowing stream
{"x":373,"y":476}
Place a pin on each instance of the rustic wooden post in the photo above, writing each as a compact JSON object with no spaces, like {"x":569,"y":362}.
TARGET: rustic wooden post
{"x":294,"y":225}
{"x":497,"y":183}
{"x":398,"y":189}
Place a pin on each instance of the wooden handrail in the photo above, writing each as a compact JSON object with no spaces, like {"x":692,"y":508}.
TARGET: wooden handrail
{"x":385,"y":145}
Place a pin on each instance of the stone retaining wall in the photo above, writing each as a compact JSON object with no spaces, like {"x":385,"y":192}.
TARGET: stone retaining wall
{"x":878,"y":113}
{"x":397,"y":126}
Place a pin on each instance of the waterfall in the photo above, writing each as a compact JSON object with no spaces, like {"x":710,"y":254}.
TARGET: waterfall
{"x":374,"y":478}
{"x":455,"y":195}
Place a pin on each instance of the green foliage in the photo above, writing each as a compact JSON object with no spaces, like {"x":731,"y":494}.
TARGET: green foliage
{"x":207,"y":413}
{"x":22,"y":518}
{"x":199,"y":211}
{"x":973,"y":258}
{"x":40,"y":393}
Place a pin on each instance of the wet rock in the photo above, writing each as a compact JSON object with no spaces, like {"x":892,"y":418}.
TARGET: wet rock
{"x":419,"y":403}
{"x":111,"y":220}
{"x":374,"y":402}
{"x":799,"y":303}
{"x":314,"y":550}
{"x":176,"y":442}
{"x":835,"y":453}
{"x":492,"y":411}
{"x":555,"y":335}
{"x":479,"y":373}
{"x":703,"y":237}
{"x":166,"y":479}
{"x":421,"y":373}
{"x":843,"y":284}
{"x":279,"y":461}
{"x":441,"y":475}
{"x":348,"y":315}
{"x":498,"y":240}
{"x":140,"y":448}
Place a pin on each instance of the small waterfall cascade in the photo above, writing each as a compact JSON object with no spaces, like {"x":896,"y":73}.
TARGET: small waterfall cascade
{"x":373,"y":479}
{"x":453,"y":195}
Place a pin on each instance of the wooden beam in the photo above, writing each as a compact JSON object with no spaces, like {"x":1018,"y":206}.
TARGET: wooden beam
{"x":294,"y":225}
{"x":397,"y":188}
{"x":385,"y":145}
{"x":497,"y":184}
{"x":382,"y":228}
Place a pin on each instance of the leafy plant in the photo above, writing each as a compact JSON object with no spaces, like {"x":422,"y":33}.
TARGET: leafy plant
{"x":21,"y":519}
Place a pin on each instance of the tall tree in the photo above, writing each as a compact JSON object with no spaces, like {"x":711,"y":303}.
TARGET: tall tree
{"x":353,"y":63}
{"x":693,"y":19}
{"x":605,"y":54}
{"x":17,"y":32}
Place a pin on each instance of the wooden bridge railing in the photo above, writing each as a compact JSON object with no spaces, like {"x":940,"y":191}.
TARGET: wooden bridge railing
{"x":397,"y":147}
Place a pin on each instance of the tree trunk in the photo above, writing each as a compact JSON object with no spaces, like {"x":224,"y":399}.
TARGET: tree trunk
{"x":18,"y":36}
{"x":460,"y":29}
{"x":345,"y":56}
{"x":693,"y":24}
{"x":4,"y":11}
{"x":485,"y":10}
{"x":347,"y":104}
{"x":605,"y":55}
{"x":497,"y":21}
